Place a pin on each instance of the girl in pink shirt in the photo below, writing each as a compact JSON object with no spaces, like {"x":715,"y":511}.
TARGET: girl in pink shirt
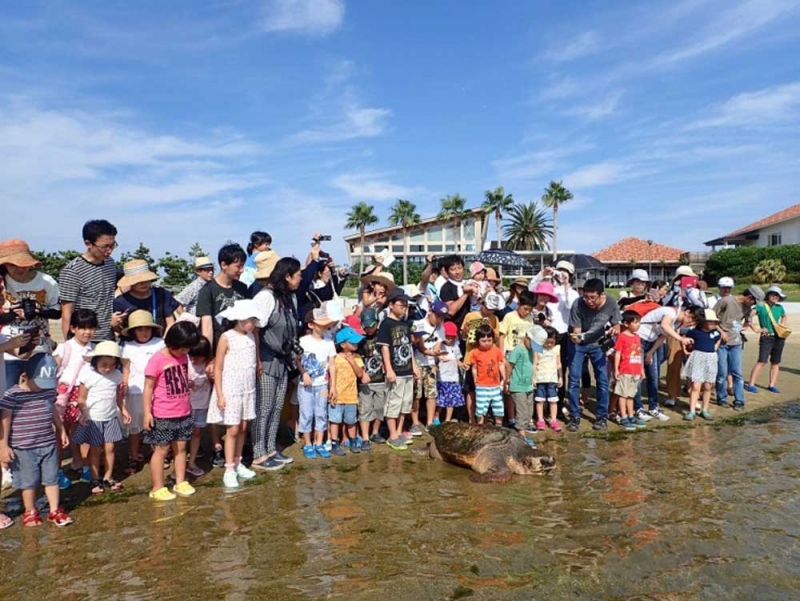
{"x":168,"y":421}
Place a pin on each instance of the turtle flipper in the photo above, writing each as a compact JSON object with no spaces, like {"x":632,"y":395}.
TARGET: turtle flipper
{"x":434,"y":451}
{"x":499,"y":475}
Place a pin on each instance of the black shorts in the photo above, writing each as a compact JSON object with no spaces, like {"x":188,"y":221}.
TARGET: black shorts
{"x":469,"y":381}
{"x":770,"y":348}
{"x":167,"y":430}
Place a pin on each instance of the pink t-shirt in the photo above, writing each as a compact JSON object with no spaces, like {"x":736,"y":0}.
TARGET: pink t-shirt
{"x":171,"y":393}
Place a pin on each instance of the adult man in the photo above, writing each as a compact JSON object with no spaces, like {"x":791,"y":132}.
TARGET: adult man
{"x":89,"y":281}
{"x":588,"y":320}
{"x":733,"y":312}
{"x":455,"y":292}
{"x":204,"y":270}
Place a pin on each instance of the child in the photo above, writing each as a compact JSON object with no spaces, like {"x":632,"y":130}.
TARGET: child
{"x":347,"y":373}
{"x":450,"y":393}
{"x":701,"y":367}
{"x":312,"y":393}
{"x":372,"y":396}
{"x":519,"y":382}
{"x":547,"y":375}
{"x":28,"y":441}
{"x":394,"y":339}
{"x":200,"y":387}
{"x":428,"y":335}
{"x":477,"y":274}
{"x":143,"y":340}
{"x":628,"y":369}
{"x":492,"y":304}
{"x":488,"y":371}
{"x":168,"y":422}
{"x":69,"y":357}
{"x":512,"y":330}
{"x":771,"y":316}
{"x":101,"y":399}
{"x":233,"y":400}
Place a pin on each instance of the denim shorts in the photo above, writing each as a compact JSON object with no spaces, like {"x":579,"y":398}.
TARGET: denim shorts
{"x":313,"y":408}
{"x":200,"y":417}
{"x":546,"y":391}
{"x":343,"y":413}
{"x":32,"y":467}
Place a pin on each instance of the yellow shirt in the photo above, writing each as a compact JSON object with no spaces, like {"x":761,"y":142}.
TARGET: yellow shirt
{"x":472,"y":322}
{"x":346,"y":380}
{"x":513,"y":328}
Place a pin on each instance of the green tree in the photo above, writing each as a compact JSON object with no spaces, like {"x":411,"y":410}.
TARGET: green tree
{"x":528,"y":228}
{"x":554,"y":196}
{"x":196,"y":251}
{"x":358,"y":218}
{"x":453,"y":209}
{"x":53,"y":263}
{"x":143,"y":253}
{"x":177,"y":271}
{"x":404,"y":213}
{"x":497,"y":202}
{"x":769,"y":271}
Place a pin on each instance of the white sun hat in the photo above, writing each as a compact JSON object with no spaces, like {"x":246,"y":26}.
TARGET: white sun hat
{"x":244,"y":308}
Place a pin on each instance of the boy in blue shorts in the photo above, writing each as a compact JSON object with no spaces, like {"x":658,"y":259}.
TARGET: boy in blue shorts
{"x":348,"y":371}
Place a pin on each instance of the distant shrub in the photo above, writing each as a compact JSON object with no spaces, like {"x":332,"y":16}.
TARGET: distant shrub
{"x":742,"y":262}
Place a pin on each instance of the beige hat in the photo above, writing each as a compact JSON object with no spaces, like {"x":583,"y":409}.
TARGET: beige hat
{"x":685,"y":271}
{"x":136,"y":271}
{"x":710,"y":315}
{"x":566,"y":266}
{"x":521,"y":281}
{"x":384,"y":278}
{"x":17,"y":252}
{"x":141,"y":319}
{"x":265,"y":263}
{"x":491,"y":275}
{"x":108,"y":348}
{"x":203,"y":263}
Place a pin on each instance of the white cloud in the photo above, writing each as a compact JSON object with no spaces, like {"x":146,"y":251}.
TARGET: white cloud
{"x":584,"y":44}
{"x":776,"y":104}
{"x":309,"y":17}
{"x":598,"y":174}
{"x":352,"y":122}
{"x":536,"y":164}
{"x":371,"y":186}
{"x":603,"y":107}
{"x":562,"y":88}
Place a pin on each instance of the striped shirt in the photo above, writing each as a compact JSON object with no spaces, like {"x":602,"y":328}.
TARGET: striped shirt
{"x":91,"y":286}
{"x":31,"y":418}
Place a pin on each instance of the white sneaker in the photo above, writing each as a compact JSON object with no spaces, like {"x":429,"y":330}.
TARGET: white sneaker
{"x":229,"y":480}
{"x":244,"y":472}
{"x":670,"y":403}
{"x":659,"y":415}
{"x":644,"y":415}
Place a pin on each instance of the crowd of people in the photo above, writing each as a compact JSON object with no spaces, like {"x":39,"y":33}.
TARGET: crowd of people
{"x":228,"y":351}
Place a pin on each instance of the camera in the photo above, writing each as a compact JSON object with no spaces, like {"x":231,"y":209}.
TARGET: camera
{"x":29,"y":307}
{"x":322,"y":239}
{"x":292,"y":348}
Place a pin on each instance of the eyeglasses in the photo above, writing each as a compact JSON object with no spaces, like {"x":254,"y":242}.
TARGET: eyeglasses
{"x":211,"y":269}
{"x":106,"y":247}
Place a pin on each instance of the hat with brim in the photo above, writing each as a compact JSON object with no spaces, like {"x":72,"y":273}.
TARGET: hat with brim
{"x":521,"y":281}
{"x":141,"y":319}
{"x":546,"y":289}
{"x":638,"y":274}
{"x":383,"y":278}
{"x":775,"y":290}
{"x":710,"y":315}
{"x":203,"y":263}
{"x":725,"y":282}
{"x":136,"y":271}
{"x":326,"y":315}
{"x":491,"y":275}
{"x":266,"y":261}
{"x":242,"y":309}
{"x":17,"y":252}
{"x":538,"y":336}
{"x":397,"y":295}
{"x":354,"y":322}
{"x":412,"y":290}
{"x":107,"y":348}
{"x":566,"y":266}
{"x":685,"y":271}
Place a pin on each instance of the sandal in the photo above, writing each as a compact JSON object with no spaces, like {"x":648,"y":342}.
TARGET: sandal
{"x":133,"y":468}
{"x":112,"y":485}
{"x":97,"y":487}
{"x":31,"y":518}
{"x":5,"y":521}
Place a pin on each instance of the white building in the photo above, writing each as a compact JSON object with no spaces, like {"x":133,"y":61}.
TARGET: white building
{"x":778,"y":229}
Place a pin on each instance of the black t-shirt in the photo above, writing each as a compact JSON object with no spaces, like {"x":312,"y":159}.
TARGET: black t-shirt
{"x":397,"y":336}
{"x":160,"y":304}
{"x":448,"y":293}
{"x":214,"y":299}
{"x":373,"y":360}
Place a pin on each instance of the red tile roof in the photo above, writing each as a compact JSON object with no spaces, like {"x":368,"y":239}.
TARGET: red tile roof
{"x":636,"y":249}
{"x":789,"y":213}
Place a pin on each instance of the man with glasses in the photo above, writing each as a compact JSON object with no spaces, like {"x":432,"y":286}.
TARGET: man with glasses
{"x":588,"y":320}
{"x":89,"y":281}
{"x":204,"y":269}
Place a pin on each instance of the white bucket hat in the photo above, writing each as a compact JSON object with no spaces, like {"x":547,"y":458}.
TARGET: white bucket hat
{"x":243,"y":309}
{"x":776,"y":290}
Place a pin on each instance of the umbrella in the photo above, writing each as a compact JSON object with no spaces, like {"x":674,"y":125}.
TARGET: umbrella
{"x":503,"y":258}
{"x":584,"y":263}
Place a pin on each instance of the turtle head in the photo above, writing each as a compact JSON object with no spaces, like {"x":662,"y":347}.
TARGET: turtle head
{"x":539,"y":463}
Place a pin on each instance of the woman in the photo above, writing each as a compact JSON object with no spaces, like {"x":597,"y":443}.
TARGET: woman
{"x":376,"y":287}
{"x":325,"y":286}
{"x":141,"y":294}
{"x":277,"y":342}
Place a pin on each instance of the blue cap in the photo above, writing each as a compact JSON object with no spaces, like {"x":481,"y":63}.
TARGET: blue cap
{"x":440,"y":308}
{"x":348,"y":334}
{"x":41,"y":368}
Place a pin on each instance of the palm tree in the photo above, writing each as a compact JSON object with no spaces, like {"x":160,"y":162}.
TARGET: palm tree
{"x":529,"y":227}
{"x":555,"y":195}
{"x":453,"y":210}
{"x":498,"y":202}
{"x":404,"y":213}
{"x":358,"y":218}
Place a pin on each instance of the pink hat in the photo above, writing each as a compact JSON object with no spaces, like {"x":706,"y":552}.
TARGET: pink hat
{"x":476,"y":268}
{"x":546,"y":288}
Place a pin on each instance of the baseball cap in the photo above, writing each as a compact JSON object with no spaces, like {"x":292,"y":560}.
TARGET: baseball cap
{"x":537,"y":336}
{"x":41,"y":368}
{"x":348,"y":334}
{"x":756,"y":292}
{"x":639,"y":274}
{"x":440,"y":308}
{"x":352,"y":321}
{"x":397,"y":295}
{"x":725,"y":282}
{"x":369,"y":317}
{"x":450,"y":329}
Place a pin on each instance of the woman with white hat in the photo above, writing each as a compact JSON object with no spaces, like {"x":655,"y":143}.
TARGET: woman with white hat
{"x":143,"y":295}
{"x":773,"y":333}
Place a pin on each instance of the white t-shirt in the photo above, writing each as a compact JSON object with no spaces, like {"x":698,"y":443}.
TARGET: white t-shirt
{"x":651,"y":323}
{"x":139,"y":355}
{"x":43,"y":289}
{"x":431,"y":336}
{"x":68,"y":372}
{"x":448,"y":370}
{"x":200,"y":386}
{"x":316,"y":353}
{"x":102,"y":397}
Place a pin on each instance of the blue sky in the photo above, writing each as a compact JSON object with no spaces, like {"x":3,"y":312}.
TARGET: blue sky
{"x":203,"y":120}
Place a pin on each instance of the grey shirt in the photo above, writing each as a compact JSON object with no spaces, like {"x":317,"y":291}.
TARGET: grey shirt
{"x":593,"y":323}
{"x":731,"y":314}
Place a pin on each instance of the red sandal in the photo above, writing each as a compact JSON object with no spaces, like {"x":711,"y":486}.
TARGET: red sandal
{"x":59,"y":518}
{"x":31,"y":518}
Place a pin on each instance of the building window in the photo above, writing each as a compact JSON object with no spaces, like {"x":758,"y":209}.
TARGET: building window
{"x":774,"y":239}
{"x":469,"y":230}
{"x":435,"y":234}
{"x":434,"y":248}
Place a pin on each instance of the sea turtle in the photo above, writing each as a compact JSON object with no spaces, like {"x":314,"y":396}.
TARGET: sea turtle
{"x":493,"y":453}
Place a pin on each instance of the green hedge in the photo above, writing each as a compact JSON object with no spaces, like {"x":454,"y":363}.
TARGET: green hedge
{"x":740,"y":262}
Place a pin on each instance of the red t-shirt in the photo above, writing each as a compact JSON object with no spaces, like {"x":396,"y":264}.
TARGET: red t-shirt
{"x":487,"y":365}
{"x":171,"y":394}
{"x":630,"y":353}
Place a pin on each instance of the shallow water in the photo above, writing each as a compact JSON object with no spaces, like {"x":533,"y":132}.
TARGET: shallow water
{"x":700,"y":513}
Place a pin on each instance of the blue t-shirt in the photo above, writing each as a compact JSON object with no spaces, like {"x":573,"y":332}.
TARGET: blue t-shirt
{"x":705,"y":342}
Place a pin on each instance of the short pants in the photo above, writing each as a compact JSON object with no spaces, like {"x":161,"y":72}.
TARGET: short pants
{"x":486,"y":397}
{"x":313,"y":408}
{"x":546,"y":391}
{"x":34,"y":467}
{"x":347,"y":413}
{"x":770,"y":348}
{"x":425,"y":387}
{"x":371,"y":402}
{"x":96,"y":434}
{"x":200,"y":417}
{"x":523,"y":403}
{"x":167,"y":430}
{"x":399,"y":397}
{"x":627,"y":386}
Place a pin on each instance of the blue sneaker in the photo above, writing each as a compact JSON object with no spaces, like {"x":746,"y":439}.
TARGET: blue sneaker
{"x":323,"y":452}
{"x":366,"y":446}
{"x":436,"y":422}
{"x":63,"y":482}
{"x":86,"y":474}
{"x":773,"y":389}
{"x":310,"y":451}
{"x":529,"y":442}
{"x":627,"y":424}
{"x":282,"y":458}
{"x":638,"y":422}
{"x":355,"y":446}
{"x":749,"y":388}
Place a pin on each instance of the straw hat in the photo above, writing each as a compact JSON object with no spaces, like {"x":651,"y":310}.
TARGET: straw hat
{"x":521,"y":281}
{"x":710,"y":315}
{"x":245,"y":308}
{"x":265,"y":263}
{"x":141,"y":319}
{"x":17,"y":252}
{"x":685,"y":271}
{"x":203,"y":263}
{"x":107,"y":348}
{"x":136,"y":271}
{"x":385,"y":278}
{"x":491,"y":275}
